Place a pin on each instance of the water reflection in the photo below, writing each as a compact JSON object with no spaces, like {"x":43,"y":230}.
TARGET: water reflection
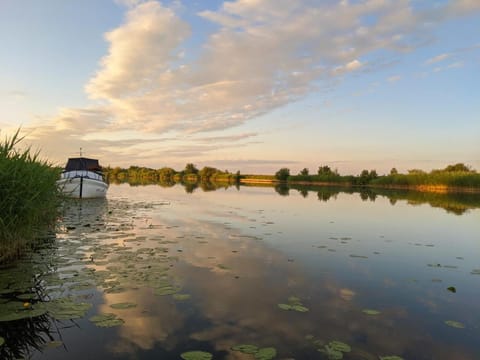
{"x":207,"y":272}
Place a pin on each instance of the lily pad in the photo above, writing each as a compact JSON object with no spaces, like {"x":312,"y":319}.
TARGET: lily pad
{"x":181,"y":297}
{"x":332,"y":354}
{"x":452,"y":289}
{"x":299,"y":308}
{"x":125,"y":305}
{"x":391,"y":357}
{"x":455,"y":324}
{"x":23,"y":314}
{"x":294,"y":303}
{"x":2,"y":341}
{"x":371,"y":312}
{"x":339,"y":346}
{"x":245,"y":348}
{"x":265,"y":353}
{"x":106,"y":320}
{"x":167,"y":290}
{"x":196,"y":355}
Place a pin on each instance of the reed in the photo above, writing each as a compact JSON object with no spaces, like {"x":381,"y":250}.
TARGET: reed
{"x":28,"y":197}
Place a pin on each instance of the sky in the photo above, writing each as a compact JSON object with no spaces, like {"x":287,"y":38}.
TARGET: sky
{"x":249,"y":85}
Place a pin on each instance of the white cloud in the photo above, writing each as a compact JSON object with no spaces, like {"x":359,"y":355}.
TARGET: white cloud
{"x":436,"y":59}
{"x":394,"y":78}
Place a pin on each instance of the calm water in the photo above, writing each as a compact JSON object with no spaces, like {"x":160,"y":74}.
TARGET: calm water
{"x":207,"y":271}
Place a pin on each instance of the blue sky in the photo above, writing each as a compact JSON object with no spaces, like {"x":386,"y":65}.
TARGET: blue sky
{"x":249,"y":85}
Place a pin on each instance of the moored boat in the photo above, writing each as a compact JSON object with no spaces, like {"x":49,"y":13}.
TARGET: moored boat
{"x":83,"y":178}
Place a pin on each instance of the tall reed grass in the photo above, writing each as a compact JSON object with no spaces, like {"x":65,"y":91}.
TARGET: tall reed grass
{"x":28,"y":197}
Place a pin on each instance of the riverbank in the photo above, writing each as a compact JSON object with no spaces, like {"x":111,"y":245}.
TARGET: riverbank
{"x":28,"y":198}
{"x":440,"y":189}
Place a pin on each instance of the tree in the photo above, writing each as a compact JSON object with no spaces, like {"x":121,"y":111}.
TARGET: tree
{"x":190,"y":169}
{"x":304,"y":172}
{"x":207,"y":172}
{"x":325,"y":170}
{"x":394,"y":171}
{"x":460,"y":167}
{"x":282,"y":174}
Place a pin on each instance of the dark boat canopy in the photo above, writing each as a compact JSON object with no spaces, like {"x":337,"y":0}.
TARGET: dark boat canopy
{"x":82,"y":163}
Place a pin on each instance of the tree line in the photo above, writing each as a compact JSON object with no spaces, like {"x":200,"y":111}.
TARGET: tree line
{"x":456,"y":175}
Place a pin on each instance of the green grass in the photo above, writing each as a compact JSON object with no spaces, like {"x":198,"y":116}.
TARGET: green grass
{"x":28,"y":198}
{"x":435,"y":178}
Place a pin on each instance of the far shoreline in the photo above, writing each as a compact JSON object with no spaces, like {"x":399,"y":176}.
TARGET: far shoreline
{"x":439,"y":189}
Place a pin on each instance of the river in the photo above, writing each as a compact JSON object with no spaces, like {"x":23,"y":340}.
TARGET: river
{"x":154,"y":272}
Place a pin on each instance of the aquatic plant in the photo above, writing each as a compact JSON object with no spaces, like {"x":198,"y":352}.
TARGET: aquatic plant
{"x":28,"y":197}
{"x":106,"y":320}
{"x":455,"y":324}
{"x":294,"y":303}
{"x":196,"y":355}
{"x":371,"y":312}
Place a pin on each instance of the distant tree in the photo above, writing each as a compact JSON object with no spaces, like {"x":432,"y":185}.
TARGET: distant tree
{"x":394,"y":171}
{"x":416,"y":172}
{"x":207,"y":172}
{"x":304,"y":172}
{"x":325,"y":170}
{"x":373,"y":174}
{"x":282,"y":174}
{"x":364,"y":174}
{"x":191,"y":169}
{"x":460,"y":167}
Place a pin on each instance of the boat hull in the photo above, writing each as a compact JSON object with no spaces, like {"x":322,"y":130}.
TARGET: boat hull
{"x":83,"y":187}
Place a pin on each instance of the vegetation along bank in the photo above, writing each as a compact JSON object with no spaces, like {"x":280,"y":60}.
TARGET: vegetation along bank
{"x":28,"y":198}
{"x":458,"y":177}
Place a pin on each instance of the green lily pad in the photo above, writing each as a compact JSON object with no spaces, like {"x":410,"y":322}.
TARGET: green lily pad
{"x":125,"y":305}
{"x":26,"y":296}
{"x":455,"y":324}
{"x":452,"y":289}
{"x":22,"y":314}
{"x":167,"y":290}
{"x":66,"y":309}
{"x":106,"y":320}
{"x":245,"y":348}
{"x":181,"y":297}
{"x":332,"y":354}
{"x":2,"y":341}
{"x":223,"y":267}
{"x":299,"y":308}
{"x":294,"y":303}
{"x":391,"y":357}
{"x":285,"y":306}
{"x":196,"y":355}
{"x":371,"y":312}
{"x":265,"y":353}
{"x":339,"y":346}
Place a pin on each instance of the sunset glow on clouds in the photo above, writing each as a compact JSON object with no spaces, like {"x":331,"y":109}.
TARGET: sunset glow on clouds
{"x":230,"y":83}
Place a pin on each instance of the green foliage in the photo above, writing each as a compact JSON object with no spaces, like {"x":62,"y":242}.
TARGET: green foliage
{"x":304,"y":172}
{"x":190,"y":169}
{"x":282,"y":174}
{"x":325,"y":170}
{"x":28,"y":197}
{"x":459,"y":167}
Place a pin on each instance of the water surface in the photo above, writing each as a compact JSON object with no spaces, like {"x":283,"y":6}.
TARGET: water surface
{"x":211,"y":270}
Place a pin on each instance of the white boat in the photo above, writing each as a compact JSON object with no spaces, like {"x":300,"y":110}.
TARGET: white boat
{"x":83,"y":178}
